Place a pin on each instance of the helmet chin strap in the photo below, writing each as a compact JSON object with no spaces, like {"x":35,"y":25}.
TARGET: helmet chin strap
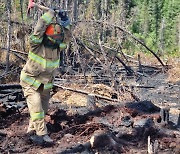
{"x":51,"y":39}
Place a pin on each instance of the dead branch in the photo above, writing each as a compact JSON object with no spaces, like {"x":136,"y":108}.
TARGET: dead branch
{"x":104,"y":54}
{"x":86,"y":93}
{"x":128,"y":33}
{"x":15,"y":22}
{"x":89,"y":50}
{"x":9,"y":86}
{"x":113,"y":49}
{"x":127,"y":68}
{"x":16,"y":53}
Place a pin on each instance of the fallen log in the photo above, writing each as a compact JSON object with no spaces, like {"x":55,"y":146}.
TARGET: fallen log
{"x":127,"y":68}
{"x":10,"y":86}
{"x":86,"y":93}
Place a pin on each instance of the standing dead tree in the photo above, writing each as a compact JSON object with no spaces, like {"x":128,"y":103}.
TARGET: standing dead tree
{"x":8,"y":34}
{"x":8,"y":6}
{"x":128,"y":34}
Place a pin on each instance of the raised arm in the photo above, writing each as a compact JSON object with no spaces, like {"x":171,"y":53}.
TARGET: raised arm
{"x":37,"y":37}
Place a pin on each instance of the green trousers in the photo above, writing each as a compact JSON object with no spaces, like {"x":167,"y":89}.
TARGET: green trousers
{"x":38,"y":103}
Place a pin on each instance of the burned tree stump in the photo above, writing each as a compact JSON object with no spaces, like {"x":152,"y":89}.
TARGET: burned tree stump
{"x":164,"y":113}
{"x":152,"y":146}
{"x":91,"y":102}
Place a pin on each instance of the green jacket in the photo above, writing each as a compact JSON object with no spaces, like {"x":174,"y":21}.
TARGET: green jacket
{"x":42,"y":61}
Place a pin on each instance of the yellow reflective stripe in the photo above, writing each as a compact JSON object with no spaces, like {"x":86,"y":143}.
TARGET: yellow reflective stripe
{"x":63,"y":45}
{"x":30,"y":80}
{"x":48,"y":86}
{"x":37,"y":115}
{"x":47,"y":18}
{"x":37,"y":59}
{"x":35,"y":39}
{"x":54,"y":41}
{"x":52,"y":64}
{"x":45,"y":63}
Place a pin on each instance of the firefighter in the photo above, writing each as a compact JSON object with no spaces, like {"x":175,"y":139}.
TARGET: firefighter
{"x":47,"y":41}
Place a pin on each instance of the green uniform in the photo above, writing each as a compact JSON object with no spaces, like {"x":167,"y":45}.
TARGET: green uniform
{"x":37,"y":75}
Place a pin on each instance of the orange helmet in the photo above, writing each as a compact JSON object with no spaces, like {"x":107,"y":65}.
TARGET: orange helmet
{"x":53,"y":29}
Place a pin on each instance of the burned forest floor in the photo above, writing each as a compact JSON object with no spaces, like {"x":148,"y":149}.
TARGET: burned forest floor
{"x":137,"y":113}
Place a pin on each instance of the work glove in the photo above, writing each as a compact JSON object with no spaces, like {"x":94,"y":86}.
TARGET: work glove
{"x":31,"y":4}
{"x":64,"y":19}
{"x":63,"y":15}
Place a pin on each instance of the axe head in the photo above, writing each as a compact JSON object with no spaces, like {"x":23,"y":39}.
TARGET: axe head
{"x":30,"y":5}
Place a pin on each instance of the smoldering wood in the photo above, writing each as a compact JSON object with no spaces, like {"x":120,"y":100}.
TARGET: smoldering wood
{"x":100,"y":140}
{"x":76,"y":149}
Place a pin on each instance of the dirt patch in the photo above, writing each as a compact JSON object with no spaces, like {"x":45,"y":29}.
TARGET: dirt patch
{"x":174,"y":72}
{"x":79,"y":100}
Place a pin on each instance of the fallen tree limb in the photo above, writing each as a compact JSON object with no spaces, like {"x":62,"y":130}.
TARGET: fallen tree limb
{"x":10,"y":86}
{"x":89,"y":50}
{"x":86,"y":93}
{"x":129,"y":71}
{"x":114,"y":50}
{"x":16,"y":53}
{"x":15,"y":22}
{"x":128,"y":33}
{"x":127,"y":68}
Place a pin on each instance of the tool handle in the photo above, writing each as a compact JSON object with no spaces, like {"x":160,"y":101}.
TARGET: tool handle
{"x":44,"y":7}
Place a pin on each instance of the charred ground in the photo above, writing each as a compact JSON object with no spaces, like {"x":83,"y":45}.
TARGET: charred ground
{"x":89,"y":116}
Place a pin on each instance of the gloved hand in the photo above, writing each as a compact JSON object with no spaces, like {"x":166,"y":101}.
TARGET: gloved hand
{"x":64,"y":19}
{"x":63,"y":15}
{"x":31,"y":4}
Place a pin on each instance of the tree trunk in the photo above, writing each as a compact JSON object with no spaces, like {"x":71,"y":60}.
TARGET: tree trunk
{"x":104,"y":8}
{"x":179,"y":34}
{"x":122,"y":19}
{"x":161,"y":37}
{"x":75,"y":10}
{"x":8,"y":34}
